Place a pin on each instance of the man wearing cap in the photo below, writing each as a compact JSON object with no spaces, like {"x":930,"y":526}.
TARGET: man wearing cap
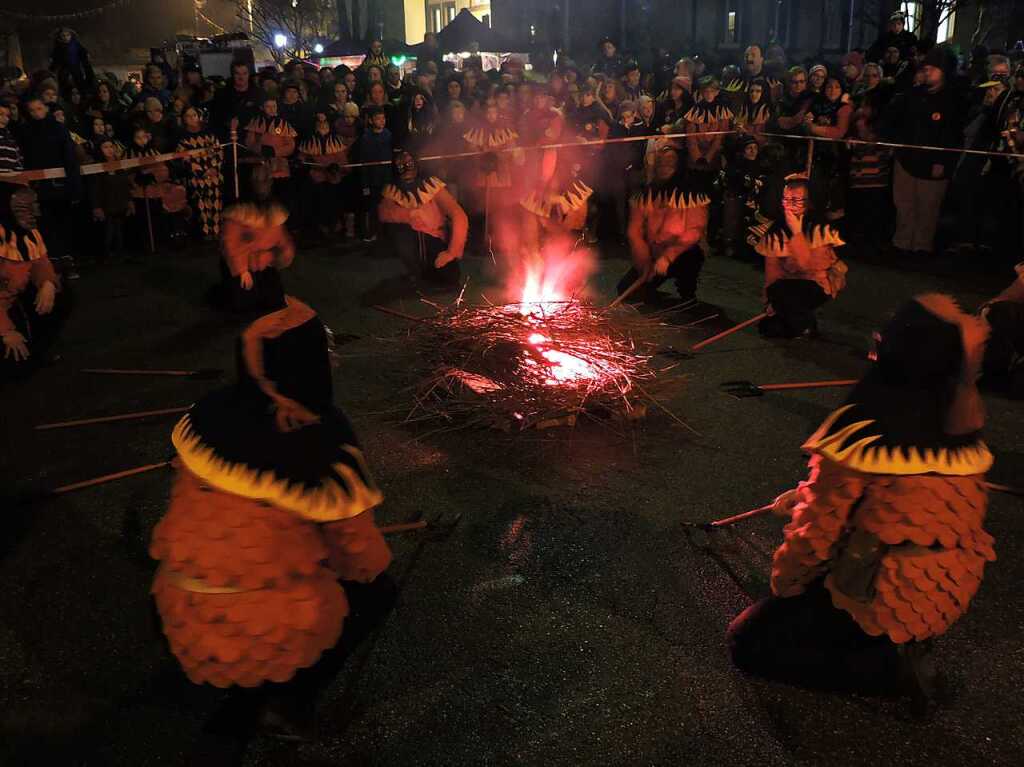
{"x":293,"y":109}
{"x":631,"y":82}
{"x":977,"y":176}
{"x":930,"y":116}
{"x":609,"y":63}
{"x":895,"y":35}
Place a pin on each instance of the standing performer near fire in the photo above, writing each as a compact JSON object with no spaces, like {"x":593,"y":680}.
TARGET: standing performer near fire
{"x":802,"y":270}
{"x":555,"y":204}
{"x":490,"y":182}
{"x":253,"y":232}
{"x":418,"y":210}
{"x":271,"y":484}
{"x":666,"y":224}
{"x":886,"y":548}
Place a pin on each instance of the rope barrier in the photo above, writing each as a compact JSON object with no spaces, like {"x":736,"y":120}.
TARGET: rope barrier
{"x":92,"y":169}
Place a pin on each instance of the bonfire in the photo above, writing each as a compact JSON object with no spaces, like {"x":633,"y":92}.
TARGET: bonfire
{"x":542,"y":360}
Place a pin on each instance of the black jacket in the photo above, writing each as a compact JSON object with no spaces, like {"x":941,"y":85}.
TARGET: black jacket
{"x":229,"y":103}
{"x":925,"y":119}
{"x":47,"y":144}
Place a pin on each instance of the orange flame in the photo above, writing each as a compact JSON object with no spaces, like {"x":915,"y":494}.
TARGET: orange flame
{"x":544,"y":283}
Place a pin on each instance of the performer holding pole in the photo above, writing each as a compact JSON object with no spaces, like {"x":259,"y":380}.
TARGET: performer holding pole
{"x":802,"y":271}
{"x":666,"y":224}
{"x":886,"y":548}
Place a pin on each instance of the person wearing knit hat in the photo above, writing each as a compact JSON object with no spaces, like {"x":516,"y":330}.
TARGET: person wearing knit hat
{"x":895,"y":35}
{"x":609,"y":63}
{"x":816,"y":77}
{"x":853,"y":67}
{"x":885,"y":546}
{"x":929,"y":116}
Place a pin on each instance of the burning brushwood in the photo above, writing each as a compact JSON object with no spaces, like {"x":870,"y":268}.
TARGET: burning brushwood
{"x":532,"y":364}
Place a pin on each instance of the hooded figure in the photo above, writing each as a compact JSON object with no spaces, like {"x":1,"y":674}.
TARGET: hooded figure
{"x":69,"y":59}
{"x":886,"y":548}
{"x":271,"y":506}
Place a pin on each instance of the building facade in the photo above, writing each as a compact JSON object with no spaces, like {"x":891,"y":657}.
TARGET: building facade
{"x":423,"y":16}
{"x":803,"y":27}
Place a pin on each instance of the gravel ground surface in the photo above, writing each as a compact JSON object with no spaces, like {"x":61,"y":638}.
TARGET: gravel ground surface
{"x":568,"y":619}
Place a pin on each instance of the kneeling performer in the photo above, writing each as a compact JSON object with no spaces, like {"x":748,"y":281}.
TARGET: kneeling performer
{"x":801,"y":270}
{"x":886,"y":547}
{"x":666,"y":224}
{"x":428,"y":227}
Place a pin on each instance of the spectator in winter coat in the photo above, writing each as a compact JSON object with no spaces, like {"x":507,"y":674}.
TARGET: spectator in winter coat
{"x":926,"y":116}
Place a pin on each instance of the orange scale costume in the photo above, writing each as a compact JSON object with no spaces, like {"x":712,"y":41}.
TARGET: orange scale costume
{"x":886,"y":546}
{"x":271,"y":507}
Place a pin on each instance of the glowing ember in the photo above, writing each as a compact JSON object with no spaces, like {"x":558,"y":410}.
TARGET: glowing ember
{"x":564,"y":367}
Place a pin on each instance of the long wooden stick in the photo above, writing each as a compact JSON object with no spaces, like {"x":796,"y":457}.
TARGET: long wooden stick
{"x":993,"y":486}
{"x":640,"y":282}
{"x":740,"y":517}
{"x":133,"y":372}
{"x":401,"y":315}
{"x":110,"y":418}
{"x":729,"y":332}
{"x":108,"y":478}
{"x":404,"y":527}
{"x":807,"y":384}
{"x":1008,"y":489}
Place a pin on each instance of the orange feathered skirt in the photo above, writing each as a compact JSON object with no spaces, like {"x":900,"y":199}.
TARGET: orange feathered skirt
{"x":242,"y":590}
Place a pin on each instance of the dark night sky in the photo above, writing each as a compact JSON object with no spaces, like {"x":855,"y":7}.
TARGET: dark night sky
{"x":110,"y":36}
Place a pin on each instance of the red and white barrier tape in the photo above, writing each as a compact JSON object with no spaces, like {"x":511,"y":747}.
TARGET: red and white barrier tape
{"x":91,"y":169}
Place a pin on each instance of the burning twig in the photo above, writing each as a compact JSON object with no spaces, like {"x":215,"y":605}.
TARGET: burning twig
{"x":528,"y":364}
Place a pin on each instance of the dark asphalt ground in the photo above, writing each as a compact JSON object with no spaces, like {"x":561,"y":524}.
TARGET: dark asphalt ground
{"x":568,"y":619}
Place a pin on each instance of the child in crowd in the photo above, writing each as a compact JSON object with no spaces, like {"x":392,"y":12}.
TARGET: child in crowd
{"x":111,"y":195}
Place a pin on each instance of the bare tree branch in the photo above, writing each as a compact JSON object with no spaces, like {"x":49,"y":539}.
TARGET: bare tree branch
{"x":302,"y":22}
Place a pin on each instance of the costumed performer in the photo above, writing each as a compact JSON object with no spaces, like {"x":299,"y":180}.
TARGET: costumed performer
{"x":666,"y":224}
{"x":802,"y":271}
{"x":886,"y":547}
{"x":272,"y":505}
{"x":426,"y":225}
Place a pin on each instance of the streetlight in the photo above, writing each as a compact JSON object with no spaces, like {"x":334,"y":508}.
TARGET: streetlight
{"x":280,"y":40}
{"x":318,"y":48}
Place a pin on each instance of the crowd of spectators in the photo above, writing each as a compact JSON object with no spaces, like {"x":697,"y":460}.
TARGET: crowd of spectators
{"x":309,"y":123}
